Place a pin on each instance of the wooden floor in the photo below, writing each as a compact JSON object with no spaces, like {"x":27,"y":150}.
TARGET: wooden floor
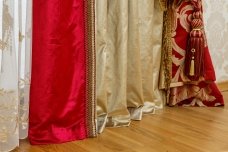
{"x":171,"y":130}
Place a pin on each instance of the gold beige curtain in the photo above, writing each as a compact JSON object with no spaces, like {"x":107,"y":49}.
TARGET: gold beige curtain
{"x":128,"y":48}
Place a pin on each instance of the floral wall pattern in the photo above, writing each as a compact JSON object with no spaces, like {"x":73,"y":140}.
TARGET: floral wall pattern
{"x":216,"y":24}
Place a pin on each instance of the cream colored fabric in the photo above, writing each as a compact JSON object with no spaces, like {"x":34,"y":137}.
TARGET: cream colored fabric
{"x":128,"y":43}
{"x":15,"y":38}
{"x":216,"y":25}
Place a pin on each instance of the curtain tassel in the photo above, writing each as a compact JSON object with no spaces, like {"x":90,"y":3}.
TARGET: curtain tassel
{"x":194,"y":65}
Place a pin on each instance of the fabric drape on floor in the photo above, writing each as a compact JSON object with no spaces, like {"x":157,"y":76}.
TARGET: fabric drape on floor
{"x":183,"y":90}
{"x":128,"y":47}
{"x":62,"y":83}
{"x":15,"y":51}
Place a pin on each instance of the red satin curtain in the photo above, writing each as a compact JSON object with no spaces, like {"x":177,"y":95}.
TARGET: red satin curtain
{"x":60,"y":108}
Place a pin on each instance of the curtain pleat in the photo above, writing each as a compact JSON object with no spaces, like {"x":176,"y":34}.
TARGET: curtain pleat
{"x":62,"y":95}
{"x":8,"y":80}
{"x":24,"y":70}
{"x":128,"y":47}
{"x":128,"y":59}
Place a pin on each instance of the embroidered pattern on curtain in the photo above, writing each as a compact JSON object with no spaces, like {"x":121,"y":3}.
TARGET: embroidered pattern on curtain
{"x":15,"y":49}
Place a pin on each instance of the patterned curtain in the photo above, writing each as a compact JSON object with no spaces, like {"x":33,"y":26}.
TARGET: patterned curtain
{"x":187,"y":58}
{"x":15,"y":51}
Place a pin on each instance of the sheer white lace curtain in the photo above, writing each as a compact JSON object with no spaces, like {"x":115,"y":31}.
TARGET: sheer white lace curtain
{"x":15,"y":56}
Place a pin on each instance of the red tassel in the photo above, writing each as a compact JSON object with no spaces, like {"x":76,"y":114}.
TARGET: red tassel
{"x":194,"y":65}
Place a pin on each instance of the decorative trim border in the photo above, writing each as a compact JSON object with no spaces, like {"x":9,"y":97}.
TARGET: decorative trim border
{"x":163,"y":5}
{"x":167,"y":47}
{"x":89,"y":14}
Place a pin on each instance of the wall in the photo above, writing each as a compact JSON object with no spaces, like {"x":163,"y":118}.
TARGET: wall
{"x":216,"y":24}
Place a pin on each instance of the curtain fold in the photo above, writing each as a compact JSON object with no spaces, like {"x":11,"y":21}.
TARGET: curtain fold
{"x":24,"y":62}
{"x":130,"y":64}
{"x":15,"y":50}
{"x":128,"y":46}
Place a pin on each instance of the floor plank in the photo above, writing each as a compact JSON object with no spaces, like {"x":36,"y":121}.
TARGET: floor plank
{"x":174,"y":129}
{"x":223,"y":86}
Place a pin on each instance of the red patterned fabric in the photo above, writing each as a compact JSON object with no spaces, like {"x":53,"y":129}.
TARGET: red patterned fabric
{"x":185,"y":92}
{"x":58,"y":85}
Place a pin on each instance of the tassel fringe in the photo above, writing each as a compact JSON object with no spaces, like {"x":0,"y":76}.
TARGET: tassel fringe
{"x":194,"y":65}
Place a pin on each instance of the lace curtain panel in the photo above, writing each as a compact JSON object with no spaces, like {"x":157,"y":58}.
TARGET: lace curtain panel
{"x":15,"y":51}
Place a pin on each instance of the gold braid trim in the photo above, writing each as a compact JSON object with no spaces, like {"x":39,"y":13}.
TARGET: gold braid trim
{"x":163,"y":5}
{"x":167,"y":47}
{"x":90,"y":67}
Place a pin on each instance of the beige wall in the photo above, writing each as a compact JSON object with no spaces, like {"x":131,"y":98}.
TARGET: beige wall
{"x":216,"y":21}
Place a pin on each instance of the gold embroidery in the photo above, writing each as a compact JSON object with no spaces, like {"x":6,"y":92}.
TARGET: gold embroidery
{"x":2,"y":45}
{"x":23,"y":108}
{"x":3,"y":135}
{"x":21,"y":37}
{"x":167,"y":47}
{"x":23,"y":82}
{"x":11,"y":98}
{"x":4,"y":119}
{"x":163,"y":4}
{"x":7,"y":18}
{"x":8,"y":104}
{"x":7,"y":26}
